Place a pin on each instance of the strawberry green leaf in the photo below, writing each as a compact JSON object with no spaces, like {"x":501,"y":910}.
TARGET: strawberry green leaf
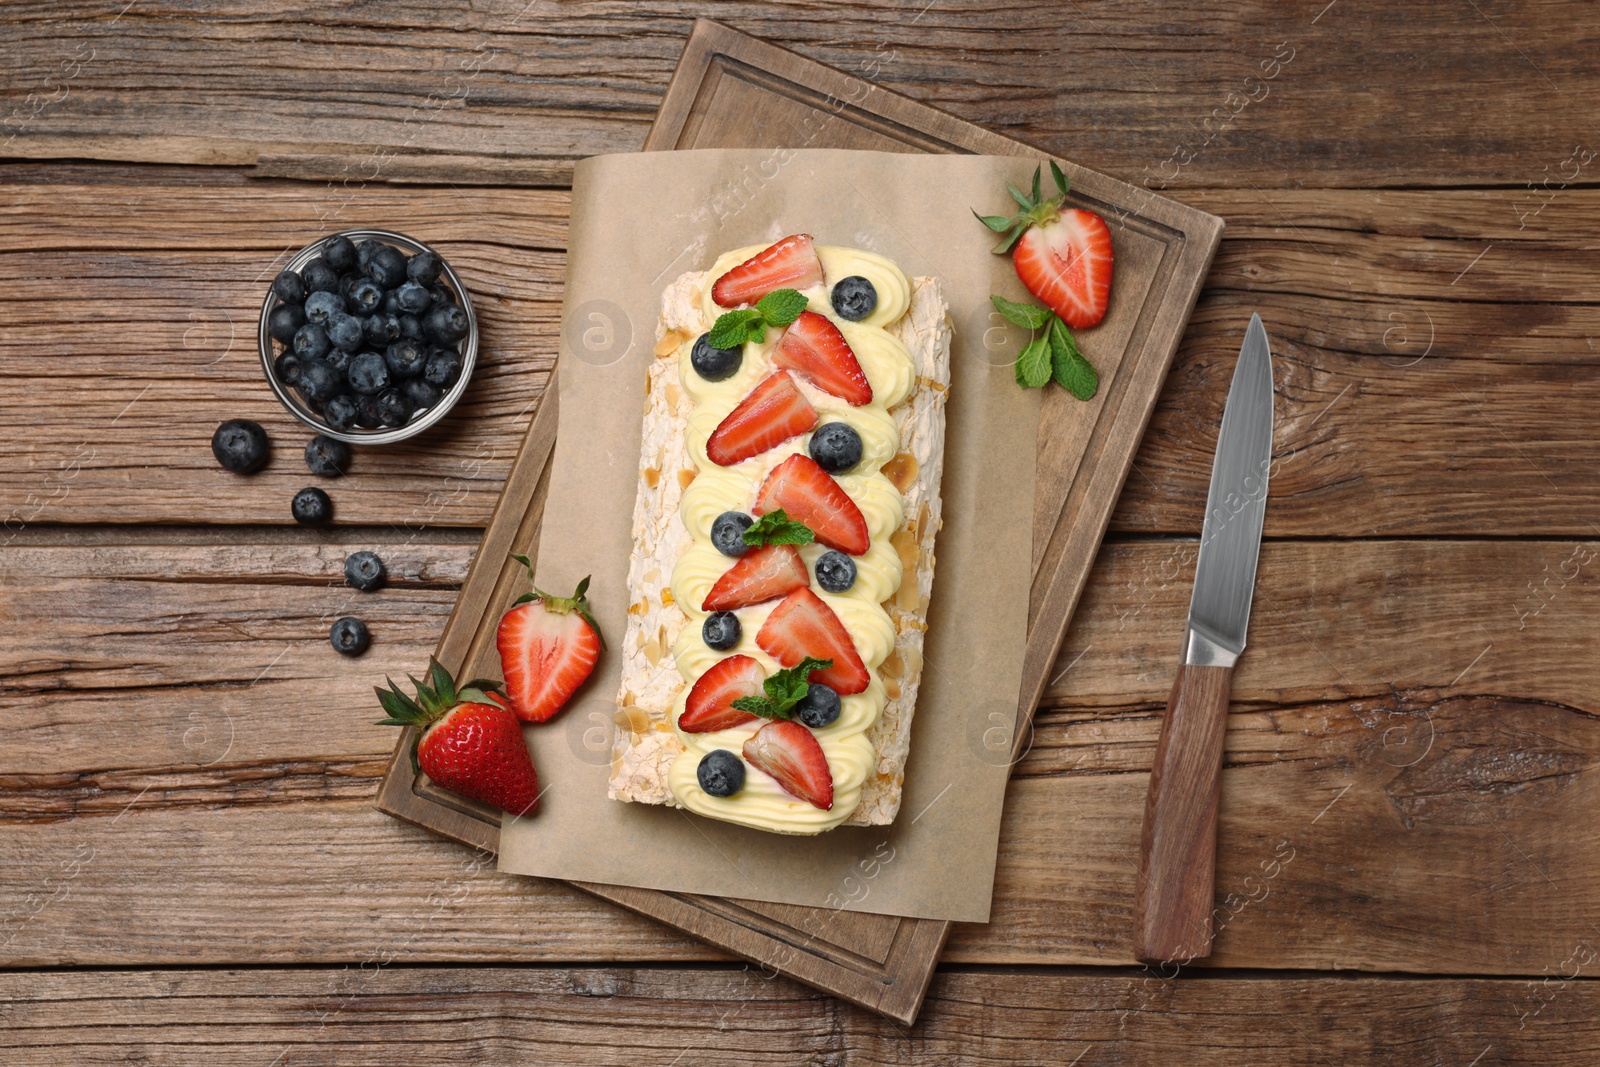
{"x":1061,"y":179}
{"x":484,"y":685}
{"x":997,"y":223}
{"x":776,"y":528}
{"x":1033,"y":364}
{"x":470,"y":695}
{"x":1011,"y":237}
{"x":781,"y":306}
{"x":443,"y":684}
{"x":1036,"y":196}
{"x":1072,"y":372}
{"x":1028,"y":316}
{"x":1016,"y":194}
{"x":733,"y":328}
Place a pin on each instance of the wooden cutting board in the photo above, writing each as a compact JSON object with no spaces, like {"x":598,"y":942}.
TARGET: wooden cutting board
{"x":733,"y":91}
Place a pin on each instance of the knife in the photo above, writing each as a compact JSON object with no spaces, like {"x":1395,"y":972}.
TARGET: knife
{"x":1178,"y":849}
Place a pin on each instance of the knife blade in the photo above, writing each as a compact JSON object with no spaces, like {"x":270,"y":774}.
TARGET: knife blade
{"x":1173,"y":902}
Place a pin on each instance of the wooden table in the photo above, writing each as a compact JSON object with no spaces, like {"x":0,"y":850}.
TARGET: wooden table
{"x":191,"y":867}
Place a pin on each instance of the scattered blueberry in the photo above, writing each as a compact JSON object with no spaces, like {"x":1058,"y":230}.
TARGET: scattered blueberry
{"x":819,"y":707}
{"x":340,"y":254}
{"x":311,"y":341}
{"x":721,"y":630}
{"x":854,"y":298}
{"x":284,"y":321}
{"x":419,"y":394}
{"x":406,"y":358}
{"x":365,"y":296}
{"x":321,"y":304}
{"x":319,"y":382}
{"x":344,"y":330}
{"x":714,"y":364}
{"x":393,"y":410}
{"x":413,"y":298}
{"x":340,"y":412}
{"x":240,"y":445}
{"x":445,"y":325}
{"x":836,"y":447}
{"x":836,"y":571}
{"x":379,"y":329}
{"x":287,"y":368}
{"x":727,"y":532}
{"x":319,"y":277}
{"x":327,"y":457}
{"x":311,"y":507}
{"x":443,"y":367}
{"x":364,"y":571}
{"x":349,"y":636}
{"x":368,"y":373}
{"x":423,"y":268}
{"x":289,"y":287}
{"x":411,"y":329}
{"x":720,"y":772}
{"x":387,"y":266}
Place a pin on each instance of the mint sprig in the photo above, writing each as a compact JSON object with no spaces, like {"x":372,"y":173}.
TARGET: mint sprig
{"x":778,"y":308}
{"x":784,"y":689}
{"x":776,"y":528}
{"x":1052,"y":353}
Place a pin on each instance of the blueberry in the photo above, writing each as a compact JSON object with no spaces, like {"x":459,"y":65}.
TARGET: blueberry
{"x":368,"y":373}
{"x":379,"y":329}
{"x":340,"y":412}
{"x":367,"y":410}
{"x":391,"y":303}
{"x":284,"y":320}
{"x":854,"y":298}
{"x":240,"y":445}
{"x":327,"y":457}
{"x":836,"y":571}
{"x":289,"y":287}
{"x":319,"y":382}
{"x":721,"y":630}
{"x":714,"y":364}
{"x":836,"y":447}
{"x":287,"y":368}
{"x":445,"y":325}
{"x":364,"y":297}
{"x":727,"y":532}
{"x":442,"y":296}
{"x":339,"y":360}
{"x":319,"y":277}
{"x":413,"y":297}
{"x":411,"y":329}
{"x":311,"y":507}
{"x":340,"y":254}
{"x":423,"y":268}
{"x":443,"y":367}
{"x":406,"y":358}
{"x":364,"y":571}
{"x":393,"y":408}
{"x":419,"y":394}
{"x":720,"y":772}
{"x":819,"y":707}
{"x":387,"y":266}
{"x":349,"y":636}
{"x":344,"y":331}
{"x":364,"y":252}
{"x":320,"y":305}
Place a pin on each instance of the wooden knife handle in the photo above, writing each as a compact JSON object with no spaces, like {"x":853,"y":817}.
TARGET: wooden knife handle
{"x":1178,"y":851}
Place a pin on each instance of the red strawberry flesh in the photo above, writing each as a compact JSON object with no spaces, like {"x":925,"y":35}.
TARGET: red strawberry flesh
{"x":792,"y":263}
{"x":809,"y":494}
{"x":1066,"y":263}
{"x":773,"y":412}
{"x":709,"y":705}
{"x":813,"y":347}
{"x":545,"y":655}
{"x":477,"y":750}
{"x":789,"y":753}
{"x":803,"y":625}
{"x":764,"y":573}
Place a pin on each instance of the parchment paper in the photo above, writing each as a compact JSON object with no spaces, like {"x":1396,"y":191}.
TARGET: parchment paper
{"x":639,"y":221}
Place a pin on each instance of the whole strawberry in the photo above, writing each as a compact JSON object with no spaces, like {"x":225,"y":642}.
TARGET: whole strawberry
{"x":548,"y":647}
{"x":467,"y":740}
{"x":1063,"y":255}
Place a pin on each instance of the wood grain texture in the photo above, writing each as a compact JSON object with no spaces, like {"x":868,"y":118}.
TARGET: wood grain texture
{"x":1173,"y":893}
{"x":1399,"y":413}
{"x":507,"y":93}
{"x":628,"y":1016}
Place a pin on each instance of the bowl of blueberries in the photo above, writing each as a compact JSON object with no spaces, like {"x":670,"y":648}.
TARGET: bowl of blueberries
{"x":368,"y":336}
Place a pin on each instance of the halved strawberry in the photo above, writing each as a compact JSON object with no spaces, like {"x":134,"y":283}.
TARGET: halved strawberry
{"x":1066,"y":263}
{"x":808,"y":494}
{"x":548,"y":646}
{"x":813,"y":346}
{"x":803,"y":625}
{"x":774,"y":411}
{"x":764,"y":573}
{"x":790,"y":264}
{"x":710,"y":702}
{"x":787,"y":751}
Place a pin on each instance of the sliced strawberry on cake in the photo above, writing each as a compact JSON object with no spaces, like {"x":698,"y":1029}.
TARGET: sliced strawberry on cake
{"x":765,"y":573}
{"x":709,"y":705}
{"x":803,"y":625}
{"x":787,"y":751}
{"x":809,"y":495}
{"x":813,"y":347}
{"x":774,"y":411}
{"x":792,"y":263}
